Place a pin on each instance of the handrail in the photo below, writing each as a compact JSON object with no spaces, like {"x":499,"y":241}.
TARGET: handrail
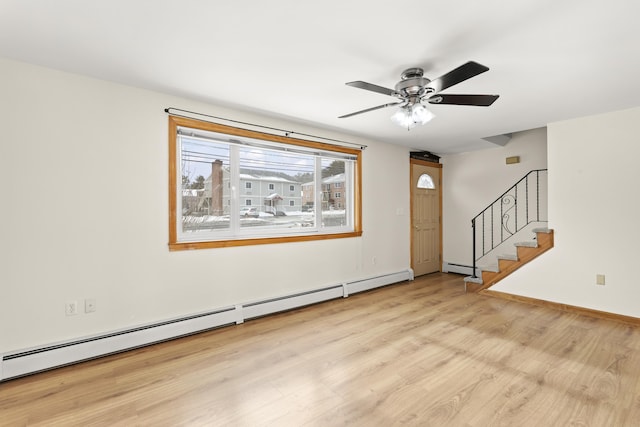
{"x":508,"y":217}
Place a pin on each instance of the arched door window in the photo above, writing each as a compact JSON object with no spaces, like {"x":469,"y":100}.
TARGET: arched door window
{"x":425,"y":181}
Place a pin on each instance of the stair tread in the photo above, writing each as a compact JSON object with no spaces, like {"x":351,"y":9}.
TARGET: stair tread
{"x":508,"y":257}
{"x":542,"y":230}
{"x":531,"y":244}
{"x":493,"y":268}
{"x":473,"y":279}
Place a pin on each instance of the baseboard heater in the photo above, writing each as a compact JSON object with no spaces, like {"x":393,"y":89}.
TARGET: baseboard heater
{"x":449,"y":267}
{"x":26,"y":362}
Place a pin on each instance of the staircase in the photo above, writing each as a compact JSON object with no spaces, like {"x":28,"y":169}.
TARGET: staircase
{"x":513,"y":215}
{"x":507,"y":264}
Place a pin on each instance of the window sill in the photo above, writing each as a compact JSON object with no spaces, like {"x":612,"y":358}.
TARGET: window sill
{"x":184,"y":246}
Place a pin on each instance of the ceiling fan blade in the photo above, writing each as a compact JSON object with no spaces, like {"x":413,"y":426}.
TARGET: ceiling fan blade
{"x":478,"y":100}
{"x":370,"y":109}
{"x":374,"y":88}
{"x":458,"y":75}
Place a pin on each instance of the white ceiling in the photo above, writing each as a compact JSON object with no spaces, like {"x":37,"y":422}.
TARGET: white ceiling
{"x":549,"y":60}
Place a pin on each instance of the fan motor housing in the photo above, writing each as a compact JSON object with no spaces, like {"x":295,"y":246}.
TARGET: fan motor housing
{"x":413,"y":83}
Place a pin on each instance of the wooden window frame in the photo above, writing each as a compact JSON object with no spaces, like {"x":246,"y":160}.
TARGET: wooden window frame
{"x":175,"y":245}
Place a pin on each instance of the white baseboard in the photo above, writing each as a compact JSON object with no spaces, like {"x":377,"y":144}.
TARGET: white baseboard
{"x":376,"y":282}
{"x":46,"y":357}
{"x":29,"y":361}
{"x":288,"y":302}
{"x":458,"y":268}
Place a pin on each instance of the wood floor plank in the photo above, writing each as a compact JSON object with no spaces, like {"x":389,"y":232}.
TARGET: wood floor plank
{"x":416,"y":353}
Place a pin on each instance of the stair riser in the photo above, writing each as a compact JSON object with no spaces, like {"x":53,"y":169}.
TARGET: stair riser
{"x":504,"y":264}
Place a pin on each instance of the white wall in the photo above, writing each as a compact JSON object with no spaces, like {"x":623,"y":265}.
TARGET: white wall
{"x":83,"y":178}
{"x":594,"y":209}
{"x":473,"y":180}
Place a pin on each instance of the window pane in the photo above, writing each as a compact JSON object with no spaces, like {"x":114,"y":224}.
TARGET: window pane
{"x":202,"y":169}
{"x":334,"y":212}
{"x":425,"y":181}
{"x":277,"y":193}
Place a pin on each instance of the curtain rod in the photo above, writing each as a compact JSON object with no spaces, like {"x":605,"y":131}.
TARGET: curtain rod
{"x":287,"y":133}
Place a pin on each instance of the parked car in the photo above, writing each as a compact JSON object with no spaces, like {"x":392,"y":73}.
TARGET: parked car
{"x":249,"y":212}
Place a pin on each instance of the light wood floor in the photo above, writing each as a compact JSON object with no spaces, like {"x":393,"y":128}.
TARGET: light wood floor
{"x":419,"y":353}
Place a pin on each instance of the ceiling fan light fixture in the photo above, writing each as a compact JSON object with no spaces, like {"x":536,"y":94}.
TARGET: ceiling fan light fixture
{"x":419,"y":114}
{"x":402,"y":118}
{"x":411,"y":115}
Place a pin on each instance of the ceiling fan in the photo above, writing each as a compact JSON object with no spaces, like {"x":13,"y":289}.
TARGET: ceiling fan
{"x":414,"y":90}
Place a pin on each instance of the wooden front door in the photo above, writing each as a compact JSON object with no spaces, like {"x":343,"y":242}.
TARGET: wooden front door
{"x":426,"y":196}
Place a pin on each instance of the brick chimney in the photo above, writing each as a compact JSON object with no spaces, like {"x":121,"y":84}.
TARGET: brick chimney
{"x":216,"y":188}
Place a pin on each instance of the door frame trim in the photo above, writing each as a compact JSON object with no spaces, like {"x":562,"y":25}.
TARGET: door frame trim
{"x":413,"y":162}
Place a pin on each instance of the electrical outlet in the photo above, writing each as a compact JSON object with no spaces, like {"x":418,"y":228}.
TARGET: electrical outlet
{"x":71,"y":308}
{"x":600,"y":279}
{"x":89,"y":305}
